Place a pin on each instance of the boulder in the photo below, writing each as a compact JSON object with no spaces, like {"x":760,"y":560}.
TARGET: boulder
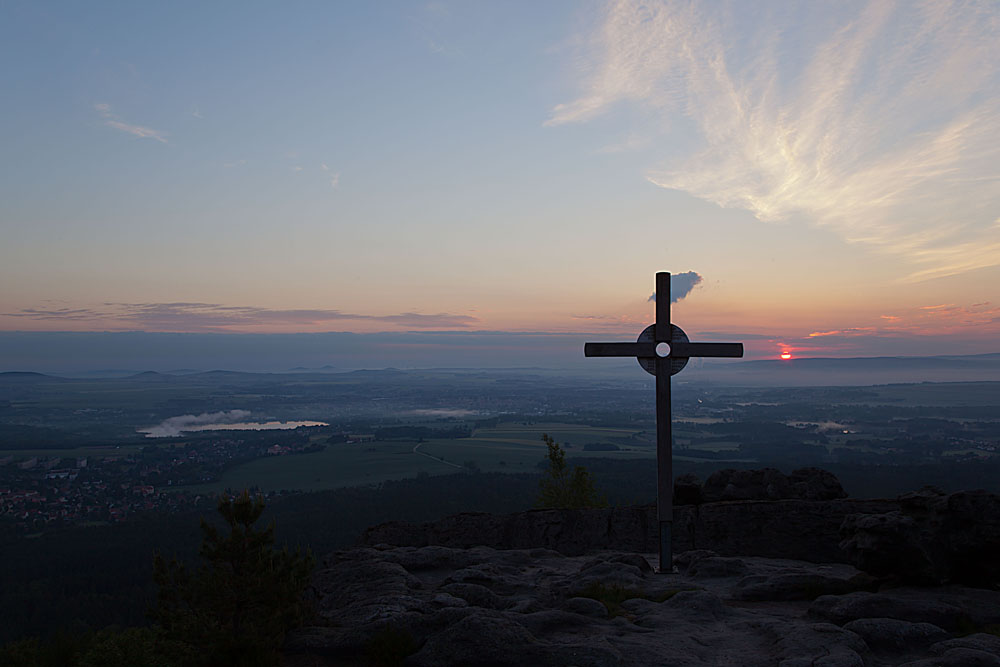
{"x":479,"y":639}
{"x":798,"y":529}
{"x":958,"y":657}
{"x":819,"y":645}
{"x":951,"y":610}
{"x":892,"y":545}
{"x":730,"y":484}
{"x":893,"y":635}
{"x":798,"y":586}
{"x":585,"y":607}
{"x":815,"y":484}
{"x":688,"y":490}
{"x":980,"y":641}
{"x":933,"y":538}
{"x":772,"y":484}
{"x":474,"y":594}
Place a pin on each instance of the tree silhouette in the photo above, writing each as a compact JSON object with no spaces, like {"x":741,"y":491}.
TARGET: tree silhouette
{"x":237,"y":607}
{"x":561,"y":488}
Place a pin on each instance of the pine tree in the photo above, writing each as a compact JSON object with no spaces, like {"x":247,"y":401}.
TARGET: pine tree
{"x":236,"y":609}
{"x":561,"y":488}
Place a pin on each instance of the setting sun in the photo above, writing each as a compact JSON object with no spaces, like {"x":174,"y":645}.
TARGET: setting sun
{"x":786,"y":355}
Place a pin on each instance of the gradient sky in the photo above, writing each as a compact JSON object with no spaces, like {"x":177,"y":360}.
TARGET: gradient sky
{"x":830,"y":171}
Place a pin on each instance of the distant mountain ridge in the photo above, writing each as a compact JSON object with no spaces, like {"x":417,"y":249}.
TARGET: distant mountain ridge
{"x":805,"y":371}
{"x":818,"y":371}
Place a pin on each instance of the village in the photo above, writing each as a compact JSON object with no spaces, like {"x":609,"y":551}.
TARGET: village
{"x":43,"y":493}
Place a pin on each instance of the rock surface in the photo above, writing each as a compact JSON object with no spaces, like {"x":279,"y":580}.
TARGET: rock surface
{"x":799,"y":529}
{"x":436,"y":605}
{"x":932,"y":538}
{"x":926,"y":538}
{"x":765,"y":574}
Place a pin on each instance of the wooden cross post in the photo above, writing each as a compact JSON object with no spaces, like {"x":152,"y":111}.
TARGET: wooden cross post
{"x":663,"y":349}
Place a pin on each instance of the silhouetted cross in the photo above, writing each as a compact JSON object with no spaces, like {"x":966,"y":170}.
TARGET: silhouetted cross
{"x":663,"y":349}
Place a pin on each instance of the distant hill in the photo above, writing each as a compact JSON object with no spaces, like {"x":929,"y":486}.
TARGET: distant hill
{"x":151,"y":376}
{"x":818,"y":371}
{"x":27,"y":376}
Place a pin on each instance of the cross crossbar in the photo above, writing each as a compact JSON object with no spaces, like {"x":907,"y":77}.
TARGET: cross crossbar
{"x":677,"y":349}
{"x":681,"y":349}
{"x":619,"y":350}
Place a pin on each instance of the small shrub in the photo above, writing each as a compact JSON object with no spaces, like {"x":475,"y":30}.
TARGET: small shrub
{"x":21,"y":653}
{"x":561,"y":488}
{"x":236,"y":608}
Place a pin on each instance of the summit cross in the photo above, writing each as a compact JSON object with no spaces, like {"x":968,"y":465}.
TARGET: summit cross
{"x":663,"y":349}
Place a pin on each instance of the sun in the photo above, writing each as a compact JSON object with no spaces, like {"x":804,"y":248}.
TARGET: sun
{"x":786,"y":355}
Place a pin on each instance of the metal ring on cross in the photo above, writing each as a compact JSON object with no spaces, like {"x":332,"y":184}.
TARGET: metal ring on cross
{"x":648,"y":364}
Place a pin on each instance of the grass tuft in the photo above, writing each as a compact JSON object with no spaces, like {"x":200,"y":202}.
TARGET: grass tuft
{"x":613,"y":595}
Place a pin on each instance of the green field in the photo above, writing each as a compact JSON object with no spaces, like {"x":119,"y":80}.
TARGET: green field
{"x":571,"y":434}
{"x":509,"y":448}
{"x":336,"y":466}
{"x":717,"y":446}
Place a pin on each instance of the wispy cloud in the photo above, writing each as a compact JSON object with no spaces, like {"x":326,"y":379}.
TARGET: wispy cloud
{"x":57,"y":314}
{"x":112,"y":120}
{"x":943,"y":322}
{"x":614,"y":323}
{"x":857,"y":331}
{"x":334,"y":176}
{"x":431,"y":25}
{"x":880,"y":122}
{"x":194,"y":316}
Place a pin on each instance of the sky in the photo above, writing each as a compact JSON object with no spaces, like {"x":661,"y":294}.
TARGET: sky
{"x":825,"y":176}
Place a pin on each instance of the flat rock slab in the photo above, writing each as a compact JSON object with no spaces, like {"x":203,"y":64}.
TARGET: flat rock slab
{"x":437,"y":605}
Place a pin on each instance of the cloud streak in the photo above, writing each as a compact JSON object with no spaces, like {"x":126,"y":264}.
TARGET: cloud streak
{"x":112,"y":120}
{"x":880,"y":122}
{"x":209,"y":317}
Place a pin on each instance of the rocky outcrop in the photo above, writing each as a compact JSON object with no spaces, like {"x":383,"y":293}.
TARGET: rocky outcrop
{"x":438,"y":605}
{"x":772,"y":484}
{"x":688,"y":490}
{"x":735,"y":512}
{"x":756,"y":582}
{"x":931,"y":538}
{"x":926,"y":537}
{"x":800,"y":529}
